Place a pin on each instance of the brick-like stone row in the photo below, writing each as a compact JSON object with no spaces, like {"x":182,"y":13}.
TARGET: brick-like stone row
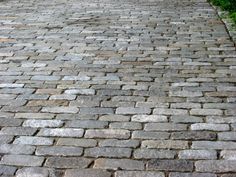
{"x":124,"y":88}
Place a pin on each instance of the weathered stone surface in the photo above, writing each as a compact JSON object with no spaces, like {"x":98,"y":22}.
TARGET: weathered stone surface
{"x":22,"y":160}
{"x":33,"y":140}
{"x":34,"y":116}
{"x":126,"y":110}
{"x":4,"y":139}
{"x":165,"y":144}
{"x":126,"y":125}
{"x":67,"y":162}
{"x":7,"y":170}
{"x":149,"y":118}
{"x":80,"y":92}
{"x":116,"y":89}
{"x":216,"y":166}
{"x":197,"y":154}
{"x":86,"y":124}
{"x":164,"y":127}
{"x":170,"y":165}
{"x":124,"y":164}
{"x":32,"y":171}
{"x":227,"y":136}
{"x":16,"y":149}
{"x":87,"y":173}
{"x":163,"y":111}
{"x":210,"y":127}
{"x":206,"y":112}
{"x":95,"y":111}
{"x":138,"y":174}
{"x":62,"y":132}
{"x":77,"y":142}
{"x":119,"y":143}
{"x":17,"y":131}
{"x":114,"y":118}
{"x":43,"y":123}
{"x":192,"y":175}
{"x":143,"y":135}
{"x":213,"y":145}
{"x":153,"y":154}
{"x":107,"y":133}
{"x":194,"y":135}
{"x":228,"y":154}
{"x":60,"y":109}
{"x":59,"y":151}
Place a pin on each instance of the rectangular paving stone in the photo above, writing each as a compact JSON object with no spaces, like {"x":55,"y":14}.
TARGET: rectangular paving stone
{"x":34,"y":116}
{"x":216,"y":166}
{"x":165,"y":111}
{"x":10,"y":85}
{"x":185,"y":105}
{"x":210,"y":127}
{"x":22,"y":160}
{"x":170,"y":165}
{"x":193,"y":135}
{"x":153,"y":154}
{"x":33,"y":140}
{"x":126,"y":110}
{"x":149,"y":118}
{"x":119,"y":143}
{"x":227,"y":136}
{"x":4,"y":139}
{"x":108,"y":152}
{"x":42,"y":123}
{"x":91,"y":124}
{"x":164,"y":127}
{"x":47,"y":103}
{"x":10,"y":122}
{"x":185,"y":93}
{"x":7,"y":170}
{"x":46,"y":78}
{"x":60,"y":109}
{"x":59,"y":151}
{"x":87,"y":173}
{"x":17,"y":131}
{"x":126,"y":125}
{"x":77,"y":78}
{"x":114,"y":164}
{"x":146,"y":135}
{"x":96,"y":111}
{"x":77,"y":142}
{"x":114,"y":118}
{"x":32,"y":171}
{"x":186,"y":119}
{"x":164,"y":144}
{"x":16,"y":149}
{"x":173,"y":174}
{"x":228,"y":154}
{"x":80,"y":92}
{"x":139,"y":174}
{"x":213,"y":145}
{"x":107,"y":133}
{"x":197,"y":154}
{"x":62,"y":97}
{"x":67,"y":162}
{"x":61,"y":132}
{"x":206,"y":112}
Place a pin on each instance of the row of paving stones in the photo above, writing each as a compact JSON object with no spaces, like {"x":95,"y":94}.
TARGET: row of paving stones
{"x":116,"y":88}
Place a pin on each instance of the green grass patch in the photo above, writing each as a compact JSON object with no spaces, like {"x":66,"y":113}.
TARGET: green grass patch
{"x":233,"y":16}
{"x":227,"y":5}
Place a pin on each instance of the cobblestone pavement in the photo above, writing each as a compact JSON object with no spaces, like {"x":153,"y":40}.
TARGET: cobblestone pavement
{"x":116,"y":88}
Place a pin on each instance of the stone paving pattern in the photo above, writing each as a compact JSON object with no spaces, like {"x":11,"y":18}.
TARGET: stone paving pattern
{"x":116,"y":88}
